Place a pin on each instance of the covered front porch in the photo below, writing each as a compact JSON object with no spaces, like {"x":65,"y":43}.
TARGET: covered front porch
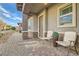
{"x":38,"y":19}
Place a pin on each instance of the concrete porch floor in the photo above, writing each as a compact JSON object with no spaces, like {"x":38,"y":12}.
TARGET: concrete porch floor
{"x":16,"y":46}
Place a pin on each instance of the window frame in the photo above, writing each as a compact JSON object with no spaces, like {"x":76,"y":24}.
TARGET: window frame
{"x":43,"y":13}
{"x":73,"y":15}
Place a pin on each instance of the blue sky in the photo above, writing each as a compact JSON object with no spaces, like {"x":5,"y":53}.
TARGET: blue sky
{"x":9,"y":14}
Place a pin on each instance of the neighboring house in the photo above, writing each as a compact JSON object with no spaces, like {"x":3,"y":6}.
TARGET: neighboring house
{"x":42,"y":17}
{"x":19,"y":27}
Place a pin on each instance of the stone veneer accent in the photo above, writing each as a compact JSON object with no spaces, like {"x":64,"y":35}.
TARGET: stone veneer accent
{"x":32,"y":35}
{"x":25,"y":35}
{"x":35,"y":34}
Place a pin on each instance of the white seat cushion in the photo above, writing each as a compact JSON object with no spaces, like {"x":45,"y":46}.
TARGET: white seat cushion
{"x":63,"y":43}
{"x":49,"y":34}
{"x":48,"y":38}
{"x":70,"y":36}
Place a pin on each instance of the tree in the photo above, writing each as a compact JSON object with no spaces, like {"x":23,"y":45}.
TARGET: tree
{"x":13,"y":28}
{"x":7,"y":27}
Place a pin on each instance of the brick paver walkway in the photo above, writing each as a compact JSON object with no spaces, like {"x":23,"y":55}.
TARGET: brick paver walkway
{"x":16,"y":46}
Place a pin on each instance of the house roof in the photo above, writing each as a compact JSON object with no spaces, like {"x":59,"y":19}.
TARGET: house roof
{"x":19,"y":6}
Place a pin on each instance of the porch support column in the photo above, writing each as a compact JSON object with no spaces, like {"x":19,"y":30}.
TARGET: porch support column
{"x":46,"y":21}
{"x":24,"y":24}
{"x":25,"y":27}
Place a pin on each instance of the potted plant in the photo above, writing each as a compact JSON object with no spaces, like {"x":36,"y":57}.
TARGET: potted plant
{"x":55,"y":38}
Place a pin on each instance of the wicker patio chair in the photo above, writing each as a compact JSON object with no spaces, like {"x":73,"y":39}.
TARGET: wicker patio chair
{"x":69,"y":41}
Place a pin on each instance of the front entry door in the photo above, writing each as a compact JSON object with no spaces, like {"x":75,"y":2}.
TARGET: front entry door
{"x":41,"y":24}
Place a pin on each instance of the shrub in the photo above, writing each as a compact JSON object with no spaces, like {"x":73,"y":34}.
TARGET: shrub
{"x":13,"y":28}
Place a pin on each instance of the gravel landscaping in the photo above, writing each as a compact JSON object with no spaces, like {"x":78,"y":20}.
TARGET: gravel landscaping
{"x":16,"y":46}
{"x":4,"y":36}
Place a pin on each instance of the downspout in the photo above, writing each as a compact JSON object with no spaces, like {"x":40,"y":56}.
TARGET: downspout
{"x":23,"y":7}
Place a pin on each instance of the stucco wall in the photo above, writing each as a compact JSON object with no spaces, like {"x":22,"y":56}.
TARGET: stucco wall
{"x":77,"y":17}
{"x":52,"y":20}
{"x":35,"y":23}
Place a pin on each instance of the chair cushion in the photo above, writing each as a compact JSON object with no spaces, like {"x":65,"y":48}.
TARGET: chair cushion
{"x":49,"y":34}
{"x":47,"y":38}
{"x":70,"y":36}
{"x":63,"y":43}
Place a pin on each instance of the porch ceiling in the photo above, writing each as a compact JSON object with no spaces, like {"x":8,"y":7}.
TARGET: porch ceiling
{"x":35,"y":8}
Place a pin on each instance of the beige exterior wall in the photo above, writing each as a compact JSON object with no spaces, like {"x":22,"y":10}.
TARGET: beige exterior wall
{"x":52,"y":20}
{"x":77,"y":17}
{"x":34,"y":25}
{"x":35,"y":21}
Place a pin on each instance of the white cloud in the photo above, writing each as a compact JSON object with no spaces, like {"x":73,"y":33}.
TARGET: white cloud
{"x":18,"y":18}
{"x":3,"y":10}
{"x":6,"y":15}
{"x":13,"y":18}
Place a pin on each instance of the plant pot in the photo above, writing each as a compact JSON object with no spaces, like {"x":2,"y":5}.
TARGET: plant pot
{"x":54,"y":41}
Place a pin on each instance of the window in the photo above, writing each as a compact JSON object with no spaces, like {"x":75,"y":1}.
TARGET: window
{"x":67,"y":15}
